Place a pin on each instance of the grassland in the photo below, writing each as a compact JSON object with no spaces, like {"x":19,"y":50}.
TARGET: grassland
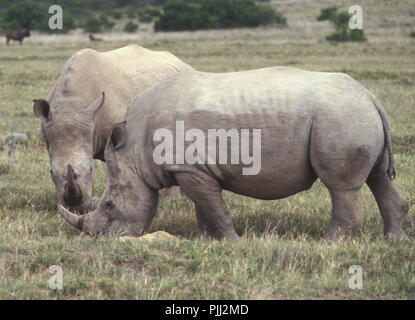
{"x":281,"y":253}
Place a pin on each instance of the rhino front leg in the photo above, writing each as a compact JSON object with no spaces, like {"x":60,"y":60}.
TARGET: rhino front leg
{"x":212,"y":212}
{"x":206,"y":230}
{"x":172,"y":194}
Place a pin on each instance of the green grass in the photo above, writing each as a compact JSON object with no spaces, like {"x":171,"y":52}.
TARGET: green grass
{"x":282,"y":253}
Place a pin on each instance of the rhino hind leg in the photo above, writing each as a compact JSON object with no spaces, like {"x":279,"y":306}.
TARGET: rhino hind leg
{"x":345,"y":213}
{"x":213,"y":215}
{"x":391,"y":205}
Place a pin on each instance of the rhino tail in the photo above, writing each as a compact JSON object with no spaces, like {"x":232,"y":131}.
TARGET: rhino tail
{"x":388,"y":141}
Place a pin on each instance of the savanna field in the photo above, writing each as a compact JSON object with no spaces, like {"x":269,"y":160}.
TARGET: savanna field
{"x":282,"y":253}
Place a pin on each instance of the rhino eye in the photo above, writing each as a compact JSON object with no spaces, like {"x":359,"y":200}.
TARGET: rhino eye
{"x":109,"y":205}
{"x":111,"y":214}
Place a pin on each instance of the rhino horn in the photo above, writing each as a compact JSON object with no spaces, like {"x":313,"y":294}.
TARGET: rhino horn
{"x":72,"y":193}
{"x":71,"y":218}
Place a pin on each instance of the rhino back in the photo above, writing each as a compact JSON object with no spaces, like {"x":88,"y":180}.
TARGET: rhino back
{"x":284,"y":103}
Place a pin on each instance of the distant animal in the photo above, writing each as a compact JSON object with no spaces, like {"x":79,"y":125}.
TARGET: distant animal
{"x":76,"y":118}
{"x":17,"y":35}
{"x":313,"y":125}
{"x":92,"y":38}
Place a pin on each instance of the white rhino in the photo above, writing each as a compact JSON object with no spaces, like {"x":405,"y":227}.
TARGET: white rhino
{"x":313,"y":125}
{"x":76,"y":119}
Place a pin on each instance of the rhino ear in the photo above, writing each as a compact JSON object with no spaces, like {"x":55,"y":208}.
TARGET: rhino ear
{"x":41,"y":108}
{"x":96,"y":105}
{"x":118,"y":135}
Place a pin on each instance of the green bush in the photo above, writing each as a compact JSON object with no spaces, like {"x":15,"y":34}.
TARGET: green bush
{"x":357,"y":35}
{"x":31,"y":16}
{"x":342,"y":31}
{"x":148,"y":14}
{"x":105,"y":22}
{"x":267,"y":15}
{"x":92,"y":25}
{"x":68,"y":24}
{"x":211,"y":14}
{"x":178,"y":15}
{"x":412,"y":34}
{"x":327,"y":13}
{"x":22,"y":15}
{"x":131,"y":27}
{"x":116,"y":15}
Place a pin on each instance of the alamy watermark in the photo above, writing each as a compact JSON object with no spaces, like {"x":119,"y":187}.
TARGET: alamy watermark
{"x":56,"y":280}
{"x":356,"y":20}
{"x":56,"y":20}
{"x":203,"y":150}
{"x":356,"y":280}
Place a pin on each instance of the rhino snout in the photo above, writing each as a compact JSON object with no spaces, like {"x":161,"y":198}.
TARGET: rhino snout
{"x":75,"y":195}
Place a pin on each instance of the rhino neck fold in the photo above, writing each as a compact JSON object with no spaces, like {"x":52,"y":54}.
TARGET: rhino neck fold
{"x":99,"y":142}
{"x":149,"y":172}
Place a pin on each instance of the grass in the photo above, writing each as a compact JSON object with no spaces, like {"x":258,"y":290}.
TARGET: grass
{"x":281,"y":254}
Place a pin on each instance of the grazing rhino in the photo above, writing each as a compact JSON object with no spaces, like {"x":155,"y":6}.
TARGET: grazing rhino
{"x":313,"y":125}
{"x":17,"y":35}
{"x":76,"y":119}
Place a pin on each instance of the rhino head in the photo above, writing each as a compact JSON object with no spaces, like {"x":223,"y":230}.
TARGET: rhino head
{"x":128,"y":204}
{"x":68,"y":133}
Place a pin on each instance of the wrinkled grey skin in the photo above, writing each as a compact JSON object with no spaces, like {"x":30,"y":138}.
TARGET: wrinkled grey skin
{"x":77,"y":117}
{"x":314,"y":125}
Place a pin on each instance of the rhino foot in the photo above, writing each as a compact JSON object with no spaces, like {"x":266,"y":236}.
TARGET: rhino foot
{"x":398,"y":235}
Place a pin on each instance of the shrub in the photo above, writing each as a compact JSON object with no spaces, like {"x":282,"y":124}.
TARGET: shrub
{"x":178,"y":15}
{"x":68,"y":24}
{"x":327,"y":13}
{"x":357,"y":35}
{"x":116,"y":15}
{"x":148,"y":14}
{"x":412,"y":34}
{"x":22,"y":15}
{"x":342,"y":31}
{"x":31,"y":16}
{"x":131,"y":27}
{"x":105,"y":22}
{"x":210,"y":14}
{"x":267,"y":15}
{"x":92,"y":25}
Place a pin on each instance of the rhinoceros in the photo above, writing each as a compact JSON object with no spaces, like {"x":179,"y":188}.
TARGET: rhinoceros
{"x":312,"y":125}
{"x":76,"y":119}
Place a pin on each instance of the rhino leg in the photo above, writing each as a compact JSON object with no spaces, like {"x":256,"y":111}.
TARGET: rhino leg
{"x":172,"y":194}
{"x":212,"y":211}
{"x":345,"y":213}
{"x":391,"y":205}
{"x":206,"y":230}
